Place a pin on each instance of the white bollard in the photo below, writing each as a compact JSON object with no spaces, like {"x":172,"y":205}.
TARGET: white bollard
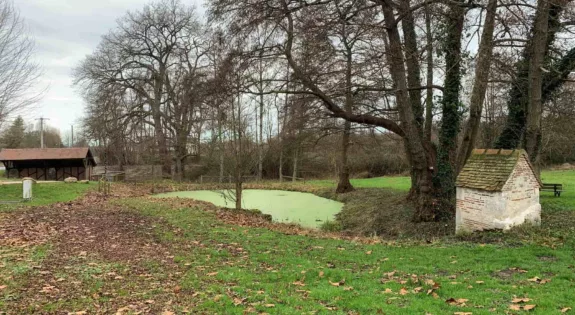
{"x":27,"y":184}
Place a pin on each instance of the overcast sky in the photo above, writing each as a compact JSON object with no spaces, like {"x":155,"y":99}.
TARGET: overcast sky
{"x":65,"y":32}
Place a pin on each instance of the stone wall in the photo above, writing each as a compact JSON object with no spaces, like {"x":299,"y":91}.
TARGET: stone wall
{"x":522,"y":194}
{"x":517,"y":203}
{"x":478,"y":210}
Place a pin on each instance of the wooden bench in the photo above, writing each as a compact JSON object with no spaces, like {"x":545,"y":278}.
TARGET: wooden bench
{"x":555,"y":188}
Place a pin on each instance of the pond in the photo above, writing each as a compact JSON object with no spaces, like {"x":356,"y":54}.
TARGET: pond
{"x":305,"y":209}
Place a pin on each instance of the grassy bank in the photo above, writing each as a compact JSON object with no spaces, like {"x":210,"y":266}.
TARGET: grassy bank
{"x":137,"y":255}
{"x":43,"y":193}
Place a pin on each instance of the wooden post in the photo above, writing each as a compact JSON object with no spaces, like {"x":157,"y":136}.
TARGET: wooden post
{"x":201,"y":179}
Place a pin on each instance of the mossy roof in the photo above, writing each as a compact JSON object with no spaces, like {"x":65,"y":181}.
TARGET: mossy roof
{"x":489,"y":169}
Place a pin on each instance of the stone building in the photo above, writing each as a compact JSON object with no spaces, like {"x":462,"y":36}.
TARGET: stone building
{"x":497,"y":189}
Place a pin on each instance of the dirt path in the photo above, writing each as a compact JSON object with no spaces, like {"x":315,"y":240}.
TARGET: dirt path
{"x":102,"y":258}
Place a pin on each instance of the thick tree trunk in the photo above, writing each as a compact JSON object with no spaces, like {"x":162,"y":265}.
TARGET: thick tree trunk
{"x":513,"y":133}
{"x":412,"y":63}
{"x":444,"y":179}
{"x":413,"y":74}
{"x":533,"y":127}
{"x":482,"y":70}
{"x":425,"y":206}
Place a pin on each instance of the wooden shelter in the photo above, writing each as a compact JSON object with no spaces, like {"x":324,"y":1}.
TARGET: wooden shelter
{"x":48,"y":164}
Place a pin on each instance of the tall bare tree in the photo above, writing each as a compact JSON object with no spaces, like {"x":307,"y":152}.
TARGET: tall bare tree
{"x":19,"y":74}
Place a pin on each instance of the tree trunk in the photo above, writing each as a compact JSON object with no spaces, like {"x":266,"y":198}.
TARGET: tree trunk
{"x":444,"y":179}
{"x":513,"y":133}
{"x":412,"y":63}
{"x":281,"y":162}
{"x":238,"y":195}
{"x":344,"y":185}
{"x":261,"y":123}
{"x":482,"y":70}
{"x":221,"y":144}
{"x":533,"y":127}
{"x":425,"y":206}
{"x":429,"y":95}
{"x":164,"y":152}
{"x":295,"y":164}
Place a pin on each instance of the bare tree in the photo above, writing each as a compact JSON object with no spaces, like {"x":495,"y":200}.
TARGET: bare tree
{"x":19,"y":73}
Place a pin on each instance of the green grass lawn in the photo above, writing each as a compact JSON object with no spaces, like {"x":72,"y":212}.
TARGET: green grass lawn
{"x":208,"y":266}
{"x":42,"y":193}
{"x":233,"y":270}
{"x":393,"y":182}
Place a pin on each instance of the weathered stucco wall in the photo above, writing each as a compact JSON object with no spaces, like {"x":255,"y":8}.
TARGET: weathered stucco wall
{"x":518,"y":202}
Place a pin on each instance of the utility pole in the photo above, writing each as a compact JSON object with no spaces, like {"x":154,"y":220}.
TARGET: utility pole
{"x":72,"y":137}
{"x":41,"y":119}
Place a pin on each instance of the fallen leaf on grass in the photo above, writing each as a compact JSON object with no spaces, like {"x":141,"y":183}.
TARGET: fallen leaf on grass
{"x":565,"y":309}
{"x":479,"y":282}
{"x":517,"y":307}
{"x":368,"y":252}
{"x":168,"y":313}
{"x":403,"y":291}
{"x":2,"y":287}
{"x":299,"y":283}
{"x":520,"y":300}
{"x":348,"y":288}
{"x":539,"y":280}
{"x":458,"y":302}
{"x":417,"y":290}
{"x":321,"y":274}
{"x":337,"y":284}
{"x":462,"y":313}
{"x":211,"y":274}
{"x":238,"y":301}
{"x":269,"y":305}
{"x":388,"y":290}
{"x":124,"y":309}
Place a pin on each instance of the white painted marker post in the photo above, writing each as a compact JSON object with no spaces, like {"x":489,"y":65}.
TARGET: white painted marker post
{"x":27,"y":184}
